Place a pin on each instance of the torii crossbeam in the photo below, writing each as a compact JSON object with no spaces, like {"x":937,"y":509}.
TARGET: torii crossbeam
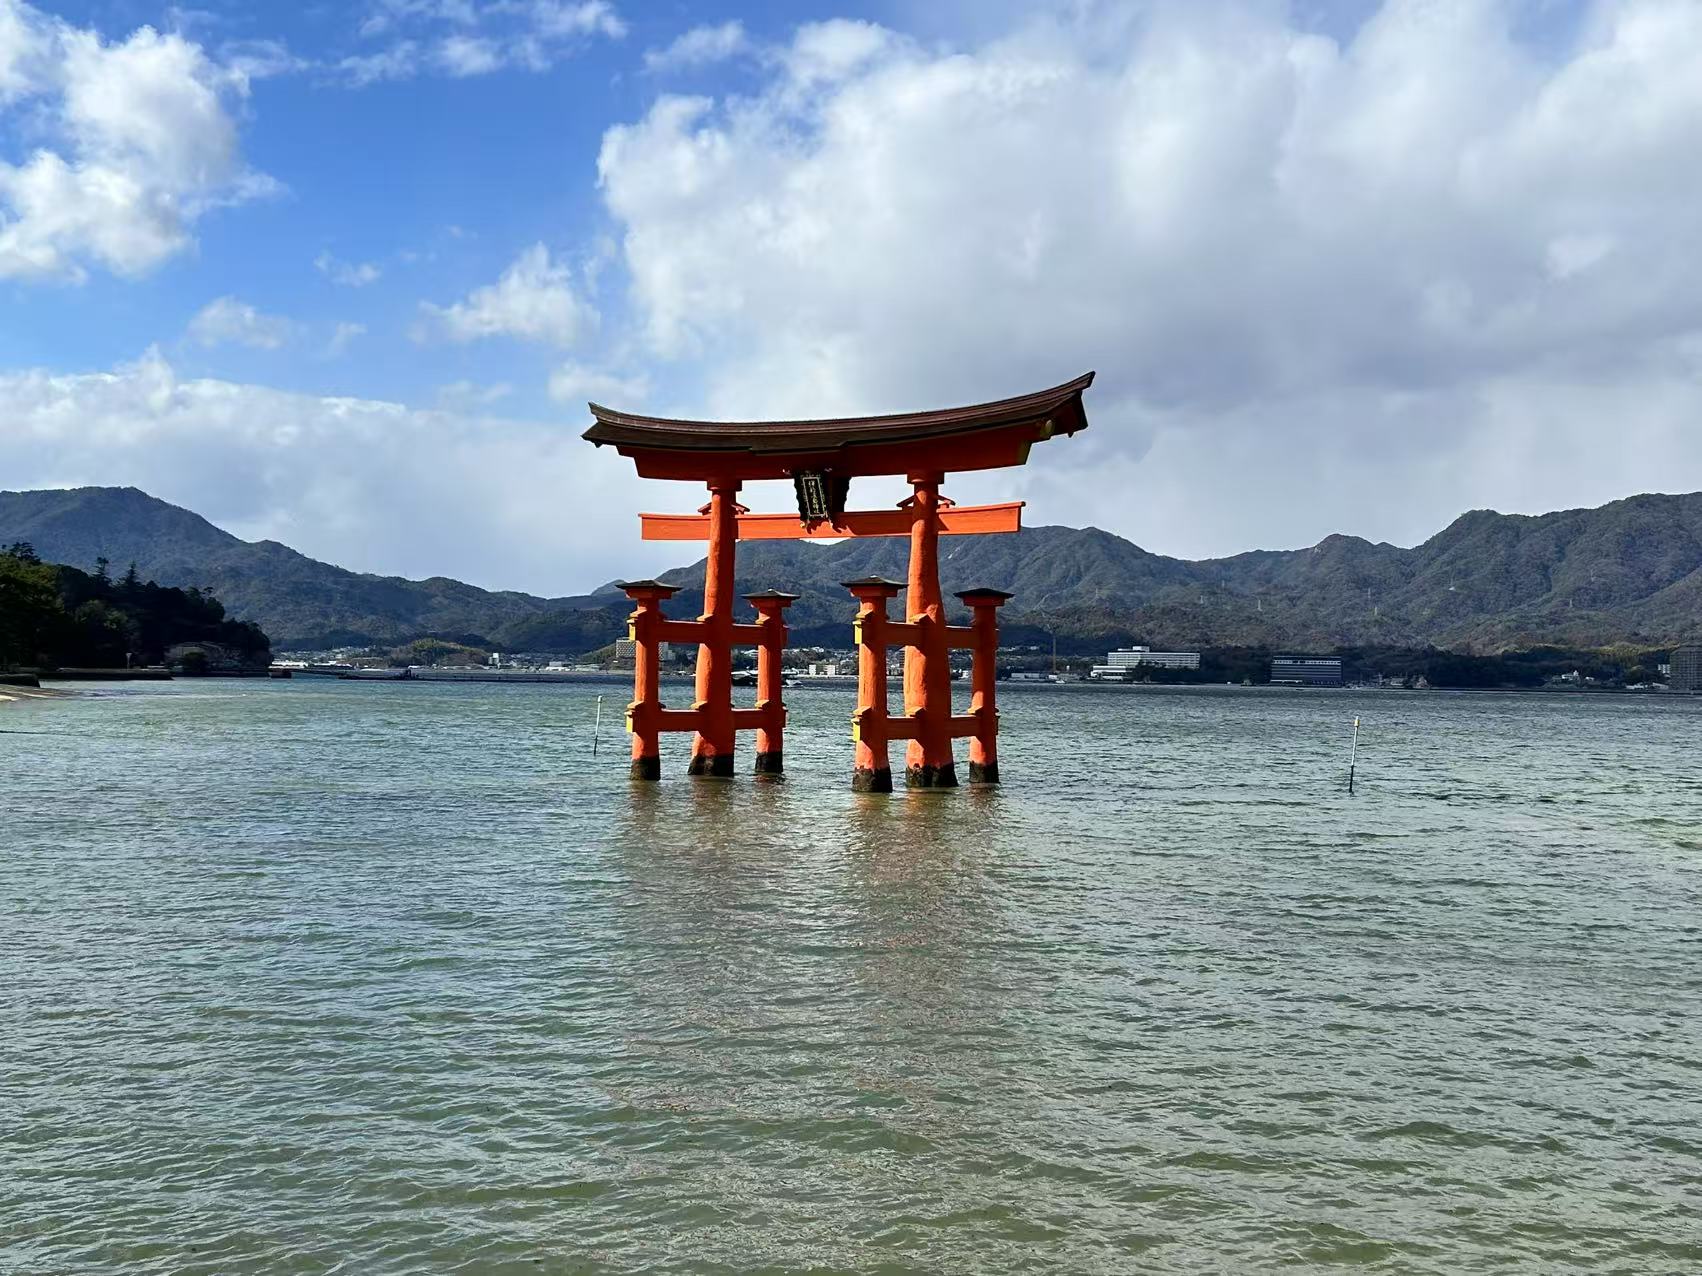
{"x":821,"y":458}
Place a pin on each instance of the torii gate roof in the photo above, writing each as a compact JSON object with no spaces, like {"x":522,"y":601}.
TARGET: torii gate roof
{"x":981,"y":436}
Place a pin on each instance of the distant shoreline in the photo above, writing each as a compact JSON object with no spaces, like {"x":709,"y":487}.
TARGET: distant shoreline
{"x":10,"y":694}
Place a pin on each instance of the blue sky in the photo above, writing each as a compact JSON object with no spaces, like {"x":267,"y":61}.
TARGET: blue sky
{"x":344,"y":274}
{"x":436,"y":180}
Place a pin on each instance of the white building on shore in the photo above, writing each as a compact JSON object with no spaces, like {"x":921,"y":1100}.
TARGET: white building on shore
{"x":1127,"y":661}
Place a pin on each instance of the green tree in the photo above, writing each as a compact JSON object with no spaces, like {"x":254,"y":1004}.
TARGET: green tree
{"x":31,"y":614}
{"x":55,"y":615}
{"x":102,"y":634}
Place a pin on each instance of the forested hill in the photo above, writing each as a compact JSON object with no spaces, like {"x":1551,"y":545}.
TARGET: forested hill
{"x":53,"y":616}
{"x":1630,"y":571}
{"x":297,"y":600}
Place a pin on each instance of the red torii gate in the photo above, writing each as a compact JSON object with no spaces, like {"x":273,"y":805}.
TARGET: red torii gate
{"x":821,"y":457}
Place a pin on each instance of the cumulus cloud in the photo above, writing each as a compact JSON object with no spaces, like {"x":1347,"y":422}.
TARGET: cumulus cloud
{"x":400,"y":61}
{"x":505,"y":503}
{"x":471,"y":397}
{"x":140,"y":141}
{"x":347,"y":274}
{"x":700,"y":46}
{"x":565,"y":19}
{"x":532,"y":301}
{"x":343,"y":335}
{"x":571,"y":383}
{"x":261,"y":59}
{"x":827,"y":52}
{"x":464,"y":38}
{"x":465,"y":55}
{"x":25,"y":41}
{"x":1311,"y":273}
{"x":227,"y":321}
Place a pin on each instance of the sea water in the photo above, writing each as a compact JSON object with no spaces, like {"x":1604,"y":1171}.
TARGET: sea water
{"x":307,"y":977}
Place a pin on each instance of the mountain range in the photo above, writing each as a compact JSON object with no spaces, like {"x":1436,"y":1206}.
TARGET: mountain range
{"x":1628,"y":571}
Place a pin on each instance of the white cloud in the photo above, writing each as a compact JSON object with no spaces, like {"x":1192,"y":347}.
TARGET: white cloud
{"x":565,"y":19}
{"x":574,"y":384}
{"x":470,"y":397}
{"x":260,"y":59}
{"x":533,"y":301}
{"x":348,"y":274}
{"x":825,"y":52}
{"x":700,"y":46}
{"x":386,"y":15}
{"x":465,"y":55}
{"x":534,"y":507}
{"x":400,"y":61}
{"x":1327,"y":286}
{"x":25,"y":43}
{"x":142,"y":142}
{"x":342,"y":336}
{"x":227,"y":321}
{"x":462,"y":38}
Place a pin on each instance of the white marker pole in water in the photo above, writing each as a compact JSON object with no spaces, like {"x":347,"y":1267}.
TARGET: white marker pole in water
{"x":597,"y":731}
{"x":1353,"y":757}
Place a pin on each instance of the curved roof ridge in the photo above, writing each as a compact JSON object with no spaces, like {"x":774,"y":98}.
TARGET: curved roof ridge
{"x":627,"y":429}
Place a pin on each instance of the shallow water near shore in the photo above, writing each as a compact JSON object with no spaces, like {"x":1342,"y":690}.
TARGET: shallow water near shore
{"x":398,"y":978}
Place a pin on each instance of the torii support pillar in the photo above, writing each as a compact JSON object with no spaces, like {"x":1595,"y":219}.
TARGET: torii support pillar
{"x":647,"y":719}
{"x":770,"y":710}
{"x":644,"y":714}
{"x":871,"y":725}
{"x":712,"y":748}
{"x":983,"y":714}
{"x":927,"y":657}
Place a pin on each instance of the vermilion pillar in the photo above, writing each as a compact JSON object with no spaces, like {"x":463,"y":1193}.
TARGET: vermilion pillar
{"x":712,"y":748}
{"x":984,"y":607}
{"x":644,"y":714}
{"x":770,"y":607}
{"x":927,"y":663}
{"x":870,"y":728}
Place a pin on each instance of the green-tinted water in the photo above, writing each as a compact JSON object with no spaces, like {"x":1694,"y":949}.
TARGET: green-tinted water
{"x":320,"y":977}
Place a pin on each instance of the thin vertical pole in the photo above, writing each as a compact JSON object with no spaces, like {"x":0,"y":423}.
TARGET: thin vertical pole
{"x":1353,"y":756}
{"x":597,"y":731}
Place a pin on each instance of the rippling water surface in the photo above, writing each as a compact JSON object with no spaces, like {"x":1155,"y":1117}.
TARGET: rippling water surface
{"x":320,"y":977}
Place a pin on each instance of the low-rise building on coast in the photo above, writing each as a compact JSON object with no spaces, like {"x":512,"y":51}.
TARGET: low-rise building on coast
{"x":1306,"y":671}
{"x":1125,"y":662}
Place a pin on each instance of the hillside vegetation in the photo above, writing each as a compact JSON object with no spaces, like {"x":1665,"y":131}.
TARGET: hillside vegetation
{"x":54,"y":616}
{"x":1628,"y":572}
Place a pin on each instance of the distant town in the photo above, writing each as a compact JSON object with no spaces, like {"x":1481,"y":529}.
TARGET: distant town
{"x":1678,"y":670}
